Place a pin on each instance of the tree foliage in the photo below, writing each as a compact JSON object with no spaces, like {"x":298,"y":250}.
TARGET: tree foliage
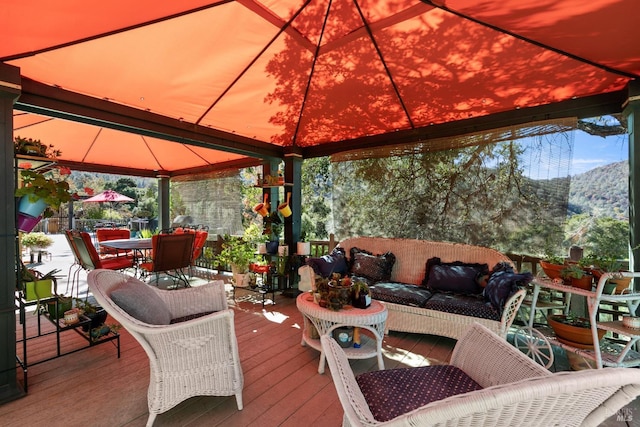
{"x":476,"y":195}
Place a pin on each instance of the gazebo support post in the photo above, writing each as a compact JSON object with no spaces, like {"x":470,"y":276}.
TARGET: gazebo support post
{"x":164,"y":222}
{"x":293,"y":224}
{"x":632,"y":111}
{"x":10,"y":89}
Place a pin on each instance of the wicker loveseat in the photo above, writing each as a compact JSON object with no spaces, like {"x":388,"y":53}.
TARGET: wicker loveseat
{"x":409,"y":270}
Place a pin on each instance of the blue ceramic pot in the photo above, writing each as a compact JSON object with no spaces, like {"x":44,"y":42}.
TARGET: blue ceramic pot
{"x":272,"y":247}
{"x":30,"y":208}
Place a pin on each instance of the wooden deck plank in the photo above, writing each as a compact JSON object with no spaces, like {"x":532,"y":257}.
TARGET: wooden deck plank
{"x":282,"y":385}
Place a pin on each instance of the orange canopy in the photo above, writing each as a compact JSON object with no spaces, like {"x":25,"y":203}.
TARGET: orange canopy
{"x":196,"y":84}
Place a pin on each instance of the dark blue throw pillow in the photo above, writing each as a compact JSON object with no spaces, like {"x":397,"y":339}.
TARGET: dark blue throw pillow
{"x":502,"y":285}
{"x":456,"y":277}
{"x":335,"y":262}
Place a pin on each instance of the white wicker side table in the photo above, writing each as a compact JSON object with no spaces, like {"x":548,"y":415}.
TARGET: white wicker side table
{"x":324,"y":320}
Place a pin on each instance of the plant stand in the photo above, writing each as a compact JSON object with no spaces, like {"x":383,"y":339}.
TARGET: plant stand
{"x":60,"y":326}
{"x":603,"y":353}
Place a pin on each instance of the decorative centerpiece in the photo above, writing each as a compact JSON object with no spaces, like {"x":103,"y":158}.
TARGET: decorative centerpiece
{"x":335,"y":292}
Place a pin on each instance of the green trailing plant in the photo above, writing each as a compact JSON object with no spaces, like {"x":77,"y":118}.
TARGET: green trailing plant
{"x":37,"y":186}
{"x":33,"y":147}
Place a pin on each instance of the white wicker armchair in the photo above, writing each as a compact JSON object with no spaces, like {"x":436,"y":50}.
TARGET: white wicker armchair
{"x":515,"y":390}
{"x":192,"y":358}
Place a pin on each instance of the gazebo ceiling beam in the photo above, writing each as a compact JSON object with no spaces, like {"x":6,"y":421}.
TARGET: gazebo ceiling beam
{"x":145,"y":173}
{"x":56,"y":102}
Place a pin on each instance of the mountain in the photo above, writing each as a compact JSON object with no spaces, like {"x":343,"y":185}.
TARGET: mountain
{"x":603,"y":191}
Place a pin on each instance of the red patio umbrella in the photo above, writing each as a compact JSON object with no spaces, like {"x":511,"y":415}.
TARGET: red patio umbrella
{"x":109,"y":196}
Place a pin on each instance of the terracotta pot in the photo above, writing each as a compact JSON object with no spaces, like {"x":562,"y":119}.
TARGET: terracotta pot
{"x":571,"y":333}
{"x":585,"y":282}
{"x":621,"y":283}
{"x":551,"y":270}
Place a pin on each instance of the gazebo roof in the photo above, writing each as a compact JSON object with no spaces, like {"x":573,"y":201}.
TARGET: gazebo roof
{"x":236,"y":82}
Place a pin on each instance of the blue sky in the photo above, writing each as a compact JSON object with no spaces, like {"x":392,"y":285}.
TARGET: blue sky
{"x":590,"y":152}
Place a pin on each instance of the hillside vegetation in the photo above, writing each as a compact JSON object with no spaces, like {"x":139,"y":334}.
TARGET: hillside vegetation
{"x":601,"y":192}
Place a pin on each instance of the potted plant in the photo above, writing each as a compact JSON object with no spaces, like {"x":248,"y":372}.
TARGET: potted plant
{"x":552,"y":265}
{"x":303,"y":247}
{"x":35,"y":286}
{"x":36,"y":242}
{"x":41,"y":194}
{"x":360,"y":294}
{"x":609,"y":264}
{"x":273,"y":230}
{"x":237,"y":253}
{"x":57,"y":307}
{"x":575,"y":276}
{"x":33,"y":147}
{"x":573,"y":330}
{"x":97,"y":314}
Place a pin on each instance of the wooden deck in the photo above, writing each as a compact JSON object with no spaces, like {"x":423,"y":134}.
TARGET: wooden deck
{"x":282,"y":385}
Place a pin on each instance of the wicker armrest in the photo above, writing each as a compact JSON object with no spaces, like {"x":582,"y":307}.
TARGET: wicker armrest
{"x":510,"y":310}
{"x":491,"y":360}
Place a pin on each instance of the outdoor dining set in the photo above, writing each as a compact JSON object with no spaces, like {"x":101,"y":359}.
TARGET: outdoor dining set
{"x":168,"y":253}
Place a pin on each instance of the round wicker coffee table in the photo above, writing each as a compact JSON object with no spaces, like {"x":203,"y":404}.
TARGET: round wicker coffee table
{"x":325,"y":321}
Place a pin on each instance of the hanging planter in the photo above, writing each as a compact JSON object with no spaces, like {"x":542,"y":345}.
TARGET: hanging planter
{"x":32,"y":206}
{"x":27,"y":223}
{"x":41,"y":194}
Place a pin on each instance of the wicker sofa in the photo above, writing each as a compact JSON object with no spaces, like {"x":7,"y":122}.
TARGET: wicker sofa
{"x":409,"y":268}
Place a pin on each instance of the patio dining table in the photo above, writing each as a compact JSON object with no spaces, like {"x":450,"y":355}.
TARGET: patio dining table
{"x":139,"y":247}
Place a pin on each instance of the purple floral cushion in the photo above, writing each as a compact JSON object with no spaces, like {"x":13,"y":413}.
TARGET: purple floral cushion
{"x":400,"y":293}
{"x":393,"y":392}
{"x":376,"y":268}
{"x":465,"y":305}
